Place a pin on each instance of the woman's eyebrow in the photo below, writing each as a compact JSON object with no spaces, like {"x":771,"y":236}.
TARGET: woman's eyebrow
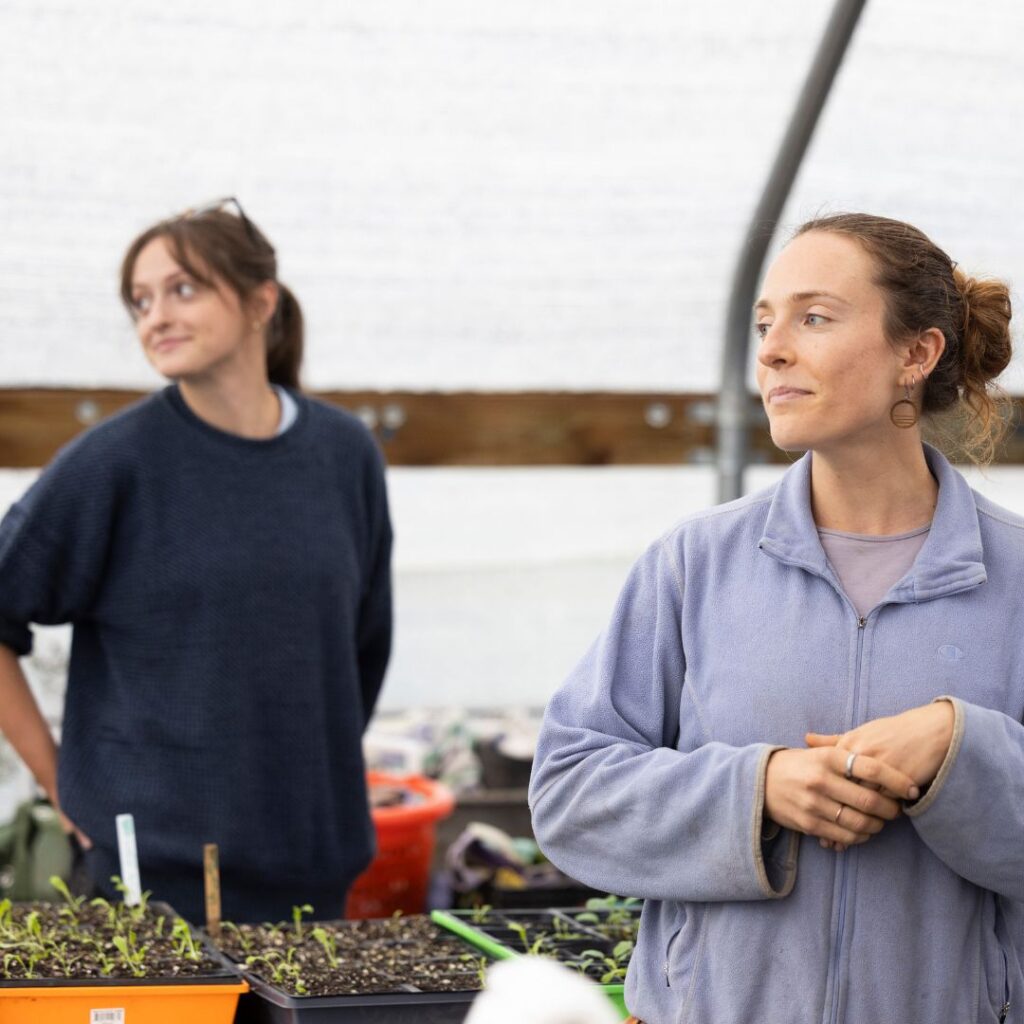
{"x":165,"y":280}
{"x":803,"y":297}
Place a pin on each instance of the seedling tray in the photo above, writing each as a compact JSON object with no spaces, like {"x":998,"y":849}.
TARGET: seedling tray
{"x":555,"y":932}
{"x":210,"y":1001}
{"x":374,"y":956}
{"x":266,"y":1004}
{"x":207,"y":998}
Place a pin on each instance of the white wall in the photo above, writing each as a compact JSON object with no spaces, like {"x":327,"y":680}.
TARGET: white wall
{"x":474,"y":193}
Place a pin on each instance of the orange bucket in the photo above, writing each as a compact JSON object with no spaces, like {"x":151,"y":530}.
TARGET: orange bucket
{"x":398,"y":876}
{"x":121,"y":1004}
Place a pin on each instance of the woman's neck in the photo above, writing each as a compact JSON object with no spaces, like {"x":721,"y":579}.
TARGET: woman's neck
{"x":880,"y":492}
{"x":245,"y":405}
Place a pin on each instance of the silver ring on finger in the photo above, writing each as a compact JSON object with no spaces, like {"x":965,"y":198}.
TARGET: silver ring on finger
{"x":842,"y":807}
{"x":849,"y":766}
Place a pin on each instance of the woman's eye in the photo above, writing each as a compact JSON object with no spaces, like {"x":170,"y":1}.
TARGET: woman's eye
{"x":761,"y":329}
{"x":185,"y":289}
{"x":141,"y":303}
{"x":815,"y":319}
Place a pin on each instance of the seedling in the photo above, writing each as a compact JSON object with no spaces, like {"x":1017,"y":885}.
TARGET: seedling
{"x":619,"y":915}
{"x":243,"y":939}
{"x":297,"y":913}
{"x":185,"y":945}
{"x":12,"y":960}
{"x":614,"y":966}
{"x":329,"y":944}
{"x":110,"y":909}
{"x":73,"y":903}
{"x":138,"y":911}
{"x":520,"y":930}
{"x":480,"y":913}
{"x":281,"y":967}
{"x":481,"y":966}
{"x":33,"y":925}
{"x":133,"y":956}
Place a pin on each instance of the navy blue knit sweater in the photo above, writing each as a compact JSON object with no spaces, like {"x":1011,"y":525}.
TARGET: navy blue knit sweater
{"x":232,"y":622}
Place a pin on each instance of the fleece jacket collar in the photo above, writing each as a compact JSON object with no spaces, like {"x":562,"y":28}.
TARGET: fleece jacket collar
{"x":949,"y":561}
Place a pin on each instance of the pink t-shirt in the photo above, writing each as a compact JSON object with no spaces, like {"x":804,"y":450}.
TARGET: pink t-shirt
{"x":867,"y":565}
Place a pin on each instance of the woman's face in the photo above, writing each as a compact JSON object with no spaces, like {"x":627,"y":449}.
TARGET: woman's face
{"x":828,"y":376}
{"x":187,"y":329}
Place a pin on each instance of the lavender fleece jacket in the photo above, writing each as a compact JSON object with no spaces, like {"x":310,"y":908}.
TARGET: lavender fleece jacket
{"x":732,"y":637}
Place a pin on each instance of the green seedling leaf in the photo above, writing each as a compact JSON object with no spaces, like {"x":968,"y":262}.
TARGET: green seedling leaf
{"x":328,"y":943}
{"x":297,"y":913}
{"x":243,"y":940}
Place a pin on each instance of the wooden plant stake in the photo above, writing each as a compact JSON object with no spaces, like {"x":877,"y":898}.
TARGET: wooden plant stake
{"x":211,"y":879}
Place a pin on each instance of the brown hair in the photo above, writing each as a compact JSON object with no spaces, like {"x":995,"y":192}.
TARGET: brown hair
{"x":214,"y":243}
{"x":924,"y":288}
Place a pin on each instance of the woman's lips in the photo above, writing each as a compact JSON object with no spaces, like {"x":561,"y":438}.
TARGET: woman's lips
{"x":785,"y":394}
{"x":166,"y":344}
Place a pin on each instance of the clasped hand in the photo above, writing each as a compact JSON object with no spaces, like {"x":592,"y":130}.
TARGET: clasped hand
{"x":806,"y":789}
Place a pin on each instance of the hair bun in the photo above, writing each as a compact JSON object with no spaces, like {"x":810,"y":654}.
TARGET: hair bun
{"x":987,"y":345}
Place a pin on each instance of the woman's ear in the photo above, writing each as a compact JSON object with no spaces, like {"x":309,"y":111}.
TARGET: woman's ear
{"x":925,"y":350}
{"x":263,"y":301}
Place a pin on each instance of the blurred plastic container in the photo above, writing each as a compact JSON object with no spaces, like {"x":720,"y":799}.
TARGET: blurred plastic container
{"x":406,"y":809}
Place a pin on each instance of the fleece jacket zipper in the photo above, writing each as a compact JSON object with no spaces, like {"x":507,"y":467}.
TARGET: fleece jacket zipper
{"x":844,"y":858}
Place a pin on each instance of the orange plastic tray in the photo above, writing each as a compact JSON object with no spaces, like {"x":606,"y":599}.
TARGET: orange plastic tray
{"x":121,"y":1004}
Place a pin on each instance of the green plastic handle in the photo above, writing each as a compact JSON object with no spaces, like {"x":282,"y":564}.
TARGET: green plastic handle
{"x":481,"y":941}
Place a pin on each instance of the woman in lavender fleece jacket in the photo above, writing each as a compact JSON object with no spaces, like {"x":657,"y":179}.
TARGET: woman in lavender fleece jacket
{"x":801,"y":737}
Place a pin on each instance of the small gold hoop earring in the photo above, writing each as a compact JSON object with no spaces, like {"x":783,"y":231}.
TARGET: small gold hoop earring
{"x":904,"y":413}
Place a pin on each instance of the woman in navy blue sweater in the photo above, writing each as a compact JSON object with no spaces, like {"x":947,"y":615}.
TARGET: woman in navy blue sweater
{"x":222,"y":549}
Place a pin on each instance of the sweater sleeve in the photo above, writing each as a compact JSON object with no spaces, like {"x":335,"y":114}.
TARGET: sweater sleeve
{"x":615,"y":804}
{"x":53,"y":545}
{"x":972,"y":817}
{"x":375,"y":620}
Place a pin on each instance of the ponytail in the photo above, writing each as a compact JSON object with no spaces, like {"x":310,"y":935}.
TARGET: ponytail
{"x":986,"y":349}
{"x":284,"y":340}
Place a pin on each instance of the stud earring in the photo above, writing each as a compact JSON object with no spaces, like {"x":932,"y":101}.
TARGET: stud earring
{"x":904,"y":413}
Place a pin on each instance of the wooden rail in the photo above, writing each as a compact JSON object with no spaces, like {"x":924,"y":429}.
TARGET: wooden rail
{"x":522,"y":428}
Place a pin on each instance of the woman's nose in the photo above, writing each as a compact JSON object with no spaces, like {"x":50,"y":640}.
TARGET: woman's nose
{"x":775,"y":346}
{"x":156,"y":313}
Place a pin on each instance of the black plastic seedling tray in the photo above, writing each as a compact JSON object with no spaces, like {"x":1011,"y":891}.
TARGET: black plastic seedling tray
{"x":555,"y":932}
{"x":266,"y":1004}
{"x":269,"y":1003}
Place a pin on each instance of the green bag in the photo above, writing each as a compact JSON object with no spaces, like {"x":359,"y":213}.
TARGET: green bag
{"x":33,"y":846}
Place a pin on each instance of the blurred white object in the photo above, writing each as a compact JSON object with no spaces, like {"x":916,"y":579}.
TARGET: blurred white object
{"x":533,"y":990}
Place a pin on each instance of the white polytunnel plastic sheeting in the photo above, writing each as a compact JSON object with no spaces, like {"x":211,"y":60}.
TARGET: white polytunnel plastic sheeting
{"x":468,"y":194}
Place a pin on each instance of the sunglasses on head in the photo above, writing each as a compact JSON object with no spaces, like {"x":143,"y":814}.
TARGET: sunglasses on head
{"x":225,"y":205}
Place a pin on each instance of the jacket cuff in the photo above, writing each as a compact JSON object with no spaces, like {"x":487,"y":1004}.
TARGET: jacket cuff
{"x":17,"y":637}
{"x":935,"y":787}
{"x":775,"y":849}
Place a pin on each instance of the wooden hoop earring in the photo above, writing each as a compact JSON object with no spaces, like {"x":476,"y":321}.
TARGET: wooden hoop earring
{"x":904,"y":413}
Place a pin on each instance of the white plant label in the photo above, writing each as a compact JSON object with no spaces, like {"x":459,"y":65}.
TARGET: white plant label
{"x":106,"y":1017}
{"x":129,"y":868}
